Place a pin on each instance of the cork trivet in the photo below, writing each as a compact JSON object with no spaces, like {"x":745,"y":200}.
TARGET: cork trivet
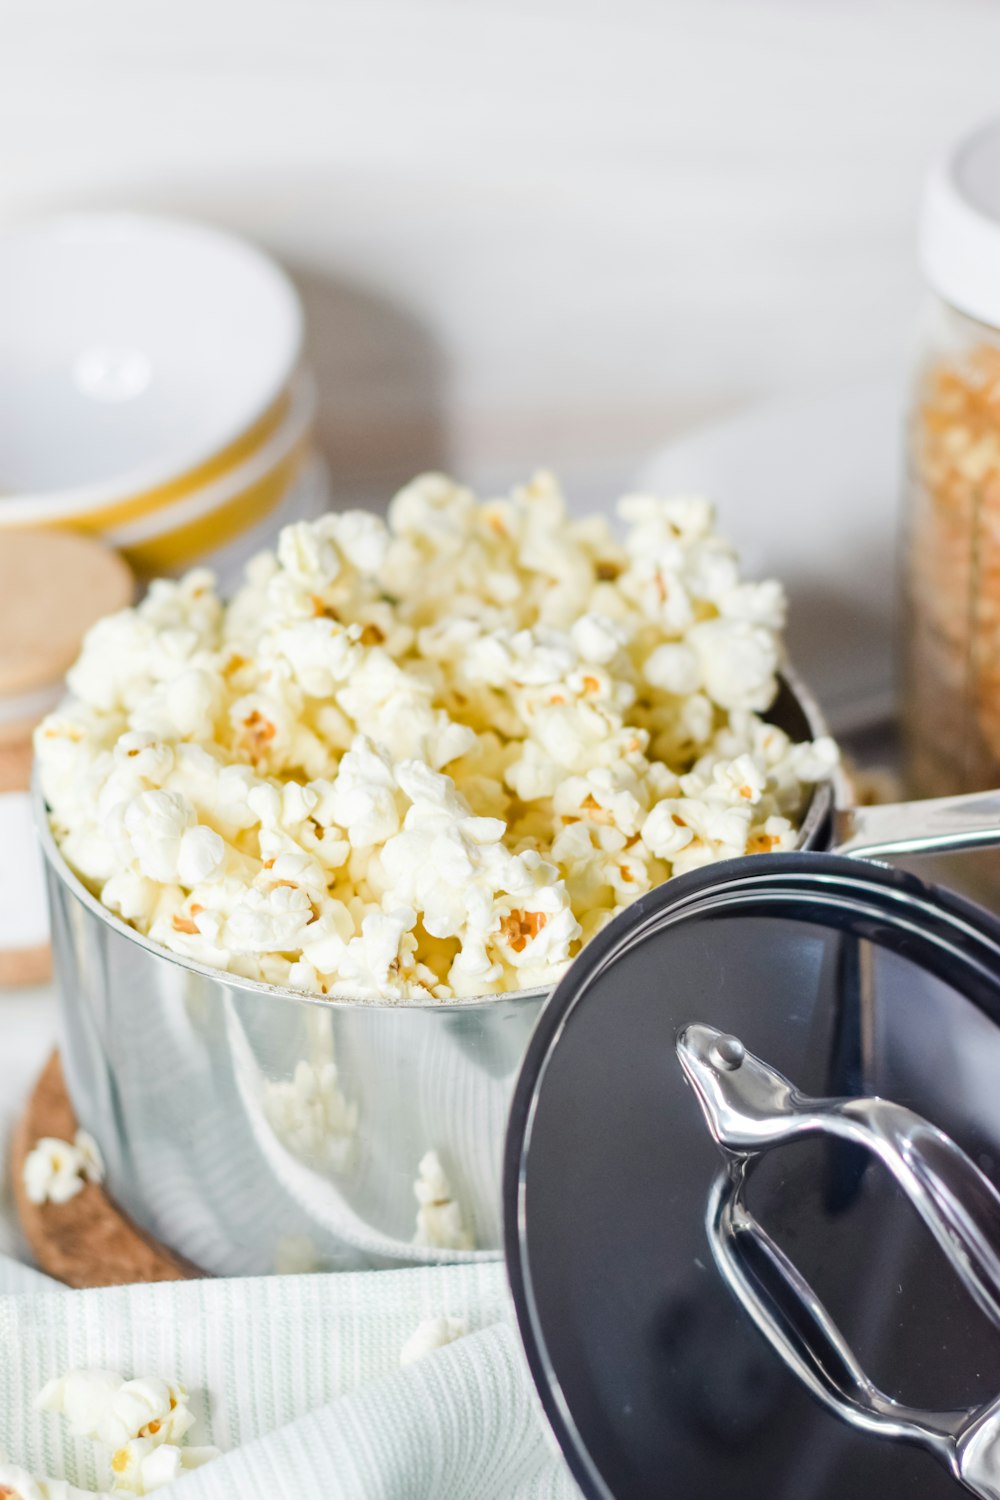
{"x":88,"y":1241}
{"x":15,"y":766}
{"x":53,"y":586}
{"x":20,"y":966}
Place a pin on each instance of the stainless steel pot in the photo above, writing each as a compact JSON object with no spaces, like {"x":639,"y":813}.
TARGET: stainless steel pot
{"x":254,"y":1128}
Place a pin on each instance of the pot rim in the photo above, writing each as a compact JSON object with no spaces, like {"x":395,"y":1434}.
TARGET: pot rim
{"x":825,"y":796}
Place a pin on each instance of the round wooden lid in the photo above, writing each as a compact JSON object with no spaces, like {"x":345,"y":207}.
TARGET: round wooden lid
{"x":53,"y":586}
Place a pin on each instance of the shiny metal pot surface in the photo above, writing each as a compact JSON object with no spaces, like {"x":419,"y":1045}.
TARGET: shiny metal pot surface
{"x":256,"y":1129}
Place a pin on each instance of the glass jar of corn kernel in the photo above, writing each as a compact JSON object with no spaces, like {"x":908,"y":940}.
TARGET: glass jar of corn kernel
{"x":951,"y":575}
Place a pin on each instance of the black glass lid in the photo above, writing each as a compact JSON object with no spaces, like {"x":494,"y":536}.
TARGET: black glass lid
{"x":725,"y":1288}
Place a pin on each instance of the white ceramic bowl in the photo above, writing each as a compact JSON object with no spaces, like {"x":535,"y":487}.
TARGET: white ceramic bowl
{"x":134,"y":350}
{"x":199,"y":521}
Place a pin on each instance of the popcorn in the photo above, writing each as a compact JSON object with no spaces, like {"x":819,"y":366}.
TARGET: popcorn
{"x":54,"y":1171}
{"x":738,"y":662}
{"x":141,"y":1466}
{"x":431,"y":1334}
{"x":102,"y":1406}
{"x":439,"y":1217}
{"x":81,"y":1397}
{"x":142,"y":1422}
{"x":363,"y":799}
{"x":371,"y":962}
{"x":167,"y":844}
{"x":666,"y":832}
{"x":428,"y":758}
{"x":598,"y":638}
{"x":17,"y":1484}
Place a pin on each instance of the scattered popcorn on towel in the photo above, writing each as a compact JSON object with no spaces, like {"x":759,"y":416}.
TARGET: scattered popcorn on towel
{"x":439,"y":1218}
{"x":101,"y":1405}
{"x":55,"y":1171}
{"x":142,"y":1466}
{"x":18,"y":1484}
{"x":141,"y":1423}
{"x":431,"y":757}
{"x":431,"y":1334}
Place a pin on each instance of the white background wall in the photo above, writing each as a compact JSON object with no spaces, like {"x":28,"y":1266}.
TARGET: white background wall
{"x":557,"y":230}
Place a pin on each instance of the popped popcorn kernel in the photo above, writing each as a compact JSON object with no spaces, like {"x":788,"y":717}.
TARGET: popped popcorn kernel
{"x":54,"y":1171}
{"x":519,"y":927}
{"x":426,"y":758}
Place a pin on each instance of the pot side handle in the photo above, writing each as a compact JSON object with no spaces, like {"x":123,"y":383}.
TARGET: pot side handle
{"x":935,"y":825}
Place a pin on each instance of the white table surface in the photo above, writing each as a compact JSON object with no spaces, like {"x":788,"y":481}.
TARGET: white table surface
{"x":554,"y":231}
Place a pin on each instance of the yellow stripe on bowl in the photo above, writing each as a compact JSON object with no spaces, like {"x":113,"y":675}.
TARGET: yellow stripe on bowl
{"x":98,"y":517}
{"x":195,"y":540}
{"x":220,"y":493}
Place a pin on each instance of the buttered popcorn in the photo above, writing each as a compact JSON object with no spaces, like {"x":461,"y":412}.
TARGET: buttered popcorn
{"x":428,"y":757}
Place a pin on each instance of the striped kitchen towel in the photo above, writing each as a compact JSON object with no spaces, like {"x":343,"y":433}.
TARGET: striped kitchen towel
{"x":297,"y":1379}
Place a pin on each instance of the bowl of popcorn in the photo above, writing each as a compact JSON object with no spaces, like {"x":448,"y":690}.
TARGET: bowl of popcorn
{"x":317,"y":854}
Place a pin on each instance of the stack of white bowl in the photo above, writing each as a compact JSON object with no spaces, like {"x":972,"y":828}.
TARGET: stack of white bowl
{"x":153,"y":390}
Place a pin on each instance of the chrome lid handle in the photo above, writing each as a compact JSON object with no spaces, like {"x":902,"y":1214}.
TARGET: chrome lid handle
{"x":750,"y":1108}
{"x":798,"y":1327}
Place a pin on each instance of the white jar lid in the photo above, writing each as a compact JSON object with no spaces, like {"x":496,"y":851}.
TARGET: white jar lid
{"x":960,"y":227}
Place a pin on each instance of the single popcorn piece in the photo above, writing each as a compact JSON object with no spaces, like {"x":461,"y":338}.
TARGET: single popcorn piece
{"x":142,"y":1466}
{"x":102,"y":1406}
{"x":426,"y":758}
{"x":81,"y":1396}
{"x":55,"y":1171}
{"x":431,"y":1334}
{"x":439,"y":1218}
